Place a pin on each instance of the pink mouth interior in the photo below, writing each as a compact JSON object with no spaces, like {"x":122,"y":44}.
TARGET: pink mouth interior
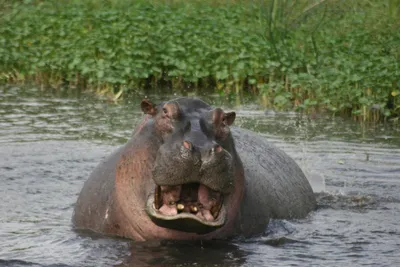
{"x":194,"y":198}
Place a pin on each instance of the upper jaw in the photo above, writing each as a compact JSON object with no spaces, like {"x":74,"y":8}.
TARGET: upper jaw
{"x":189,"y":207}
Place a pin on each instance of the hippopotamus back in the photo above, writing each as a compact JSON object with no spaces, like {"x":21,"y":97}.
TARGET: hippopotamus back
{"x":275,"y":186}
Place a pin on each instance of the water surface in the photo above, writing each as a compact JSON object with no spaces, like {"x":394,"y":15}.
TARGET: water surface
{"x":49,"y":144}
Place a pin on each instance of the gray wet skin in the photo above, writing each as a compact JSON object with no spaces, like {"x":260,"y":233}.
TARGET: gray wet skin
{"x":187,"y":173}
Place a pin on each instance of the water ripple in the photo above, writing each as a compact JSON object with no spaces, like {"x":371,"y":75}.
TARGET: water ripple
{"x":49,"y":145}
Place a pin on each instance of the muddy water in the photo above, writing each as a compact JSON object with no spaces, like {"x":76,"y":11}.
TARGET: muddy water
{"x":49,"y":145}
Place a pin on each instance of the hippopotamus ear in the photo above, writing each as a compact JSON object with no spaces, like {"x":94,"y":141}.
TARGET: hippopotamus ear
{"x":221,"y":118}
{"x":229,"y":118}
{"x":148,"y":107}
{"x":219,"y":122}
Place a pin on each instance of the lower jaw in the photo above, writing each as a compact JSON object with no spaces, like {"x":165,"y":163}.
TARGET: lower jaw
{"x":185,"y":222}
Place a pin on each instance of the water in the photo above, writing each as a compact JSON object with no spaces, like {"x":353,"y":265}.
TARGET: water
{"x":49,"y":144}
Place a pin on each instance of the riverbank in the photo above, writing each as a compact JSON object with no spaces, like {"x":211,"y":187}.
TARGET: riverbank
{"x":304,"y":55}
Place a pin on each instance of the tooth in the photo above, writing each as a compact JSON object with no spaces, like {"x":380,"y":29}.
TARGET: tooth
{"x":172,"y":203}
{"x":157,"y":197}
{"x":180,"y":206}
{"x":216,"y":209}
{"x":207,"y":215}
{"x":194,"y":209}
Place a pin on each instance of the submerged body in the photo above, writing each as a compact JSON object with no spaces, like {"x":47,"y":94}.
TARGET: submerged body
{"x":187,"y":174}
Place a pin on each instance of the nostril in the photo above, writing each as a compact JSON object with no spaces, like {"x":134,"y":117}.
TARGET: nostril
{"x":187,"y":145}
{"x":216,"y":148}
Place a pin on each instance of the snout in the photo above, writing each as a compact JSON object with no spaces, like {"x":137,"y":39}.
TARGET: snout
{"x":210,"y":165}
{"x":192,"y":184}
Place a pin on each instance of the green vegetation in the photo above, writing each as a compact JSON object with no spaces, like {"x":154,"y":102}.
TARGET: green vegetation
{"x":341,"y":56}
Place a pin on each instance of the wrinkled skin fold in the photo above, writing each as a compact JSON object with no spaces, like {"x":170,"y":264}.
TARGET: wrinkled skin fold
{"x":188,"y":173}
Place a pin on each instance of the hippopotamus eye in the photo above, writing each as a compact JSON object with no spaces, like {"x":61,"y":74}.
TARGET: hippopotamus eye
{"x":171,"y":110}
{"x":165,"y":111}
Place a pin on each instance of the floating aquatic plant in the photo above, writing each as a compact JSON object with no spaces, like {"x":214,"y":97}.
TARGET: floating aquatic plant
{"x":341,"y":56}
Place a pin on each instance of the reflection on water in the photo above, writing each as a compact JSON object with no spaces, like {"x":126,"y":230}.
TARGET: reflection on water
{"x":167,"y":253}
{"x":49,"y":145}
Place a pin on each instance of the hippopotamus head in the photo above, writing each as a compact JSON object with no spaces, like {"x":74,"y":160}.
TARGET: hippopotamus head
{"x":196,"y":166}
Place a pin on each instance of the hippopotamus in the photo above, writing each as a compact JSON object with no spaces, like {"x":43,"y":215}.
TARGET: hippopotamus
{"x":187,"y":173}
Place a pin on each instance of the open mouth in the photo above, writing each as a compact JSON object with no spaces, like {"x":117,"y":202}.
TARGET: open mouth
{"x":191,"y":207}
